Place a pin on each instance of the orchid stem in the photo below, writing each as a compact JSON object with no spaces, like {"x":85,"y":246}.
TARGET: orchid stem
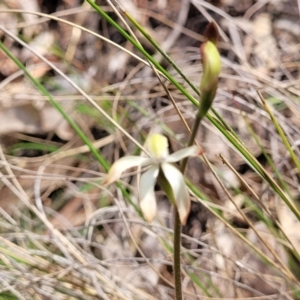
{"x":177,"y":223}
{"x":191,"y":140}
{"x":177,"y":253}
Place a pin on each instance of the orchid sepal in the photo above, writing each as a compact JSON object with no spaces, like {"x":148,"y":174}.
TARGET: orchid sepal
{"x":123,"y":164}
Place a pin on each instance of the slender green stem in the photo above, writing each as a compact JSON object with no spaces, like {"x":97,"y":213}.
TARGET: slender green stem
{"x":191,"y":140}
{"x":177,"y":224}
{"x":177,"y":253}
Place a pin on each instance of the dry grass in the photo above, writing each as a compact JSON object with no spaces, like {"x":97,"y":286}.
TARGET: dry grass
{"x":64,"y":236}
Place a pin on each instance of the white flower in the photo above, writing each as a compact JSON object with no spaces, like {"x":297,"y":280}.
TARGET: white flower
{"x":161,"y":169}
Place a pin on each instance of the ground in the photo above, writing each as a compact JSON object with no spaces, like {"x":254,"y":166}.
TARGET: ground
{"x":77,"y":94}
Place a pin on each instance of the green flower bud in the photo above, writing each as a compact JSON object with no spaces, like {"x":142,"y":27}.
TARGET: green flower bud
{"x":211,"y":63}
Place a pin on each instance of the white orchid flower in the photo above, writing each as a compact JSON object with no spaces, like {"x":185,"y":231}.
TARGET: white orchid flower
{"x":161,"y":169}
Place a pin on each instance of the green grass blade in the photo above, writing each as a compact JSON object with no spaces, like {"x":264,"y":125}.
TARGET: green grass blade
{"x":57,"y":106}
{"x":281,"y":133}
{"x":143,"y":51}
{"x":224,"y":129}
{"x":76,"y":128}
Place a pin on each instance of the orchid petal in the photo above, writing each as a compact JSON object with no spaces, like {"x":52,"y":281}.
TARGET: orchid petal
{"x":146,"y":193}
{"x":179,"y":155}
{"x":123,"y":164}
{"x":157,"y":145}
{"x":180,"y":191}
